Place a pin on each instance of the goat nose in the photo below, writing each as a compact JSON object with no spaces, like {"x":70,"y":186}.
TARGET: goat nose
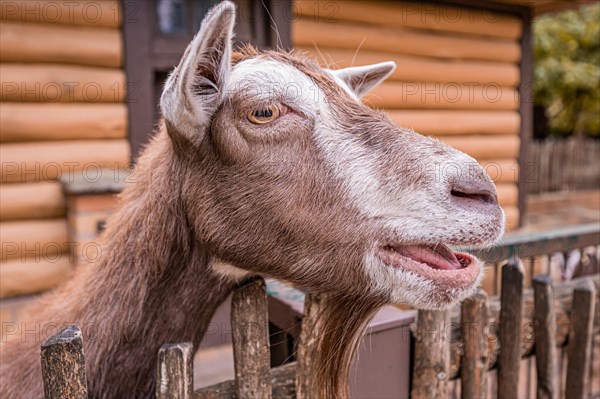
{"x":477,"y":190}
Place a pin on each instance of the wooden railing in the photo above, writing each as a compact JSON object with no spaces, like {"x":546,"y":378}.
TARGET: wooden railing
{"x":493,"y":334}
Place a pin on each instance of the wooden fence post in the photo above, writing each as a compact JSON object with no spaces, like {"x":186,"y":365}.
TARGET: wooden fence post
{"x":311,"y":328}
{"x":431,"y":370}
{"x":252,"y":361}
{"x":509,"y":331}
{"x":175,"y":371}
{"x":474,"y":365}
{"x":580,"y":340}
{"x":63,"y":365}
{"x":545,"y":337}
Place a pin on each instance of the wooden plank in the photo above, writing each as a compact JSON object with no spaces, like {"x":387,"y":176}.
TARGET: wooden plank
{"x":251,"y":356}
{"x":502,"y":170}
{"x":40,"y":122}
{"x":474,"y":324}
{"x":44,"y":239}
{"x":99,"y":13}
{"x":61,"y":83}
{"x":31,"y":275}
{"x":63,"y":365}
{"x":509,"y":334}
{"x":485,"y":147}
{"x":31,"y":201}
{"x":431,"y":368}
{"x":43,"y":161}
{"x":430,"y":16}
{"x":312,"y":325}
{"x":24,"y":42}
{"x":529,"y":244}
{"x":175,"y":371}
{"x":282,"y":380}
{"x":545,"y":6}
{"x":508,"y":194}
{"x":423,"y":95}
{"x":580,"y":340}
{"x":456,"y":122}
{"x":421,"y":69}
{"x":306,"y":32}
{"x":512,"y":217}
{"x":545,"y":337}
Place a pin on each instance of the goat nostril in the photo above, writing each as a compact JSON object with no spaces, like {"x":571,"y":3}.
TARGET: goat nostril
{"x":483,"y":196}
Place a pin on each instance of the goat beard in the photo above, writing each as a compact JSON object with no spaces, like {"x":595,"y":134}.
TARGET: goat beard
{"x":333,"y":327}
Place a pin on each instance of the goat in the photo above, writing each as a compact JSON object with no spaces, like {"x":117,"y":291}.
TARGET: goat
{"x":265,"y":163}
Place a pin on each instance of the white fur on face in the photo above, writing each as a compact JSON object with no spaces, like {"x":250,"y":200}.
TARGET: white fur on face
{"x":270,"y":80}
{"x":404,"y":286}
{"x":265,"y":81}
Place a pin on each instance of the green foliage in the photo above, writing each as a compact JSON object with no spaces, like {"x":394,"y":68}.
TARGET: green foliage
{"x":567,"y":69}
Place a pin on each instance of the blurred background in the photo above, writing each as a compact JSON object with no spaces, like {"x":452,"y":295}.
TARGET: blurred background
{"x":514,"y":83}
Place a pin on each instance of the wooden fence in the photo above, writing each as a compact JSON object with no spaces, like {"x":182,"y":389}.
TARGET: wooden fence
{"x":476,"y":355}
{"x":562,"y":165}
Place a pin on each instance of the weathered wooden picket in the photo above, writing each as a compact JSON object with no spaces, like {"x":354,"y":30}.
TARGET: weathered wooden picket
{"x":472,"y":352}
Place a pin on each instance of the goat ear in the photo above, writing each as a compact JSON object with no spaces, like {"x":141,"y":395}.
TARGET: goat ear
{"x":196,"y":87}
{"x":361,"y":79}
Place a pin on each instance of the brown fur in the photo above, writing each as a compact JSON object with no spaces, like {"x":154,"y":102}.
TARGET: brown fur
{"x":151,"y":286}
{"x":267,"y":199}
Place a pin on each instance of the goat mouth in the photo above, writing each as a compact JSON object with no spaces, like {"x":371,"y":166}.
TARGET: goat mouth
{"x":434,"y":262}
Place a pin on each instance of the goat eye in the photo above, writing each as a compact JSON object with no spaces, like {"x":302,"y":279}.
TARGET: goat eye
{"x":264,"y":115}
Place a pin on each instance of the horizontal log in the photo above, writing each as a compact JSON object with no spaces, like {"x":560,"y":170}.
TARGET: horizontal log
{"x":32,"y":276}
{"x":100,"y":13}
{"x":512,"y":215}
{"x":502,"y":170}
{"x":540,"y":7}
{"x":422,"y":95}
{"x":31,"y":201}
{"x":404,"y":41}
{"x":527,"y":244}
{"x":508,"y":194}
{"x":23,"y":42}
{"x":42,"y":161}
{"x":61,"y":83}
{"x":421,"y":69}
{"x":36,"y":122}
{"x":421,"y":15}
{"x":39,"y":238}
{"x":486,"y":147}
{"x":282,"y":381}
{"x":450,"y":123}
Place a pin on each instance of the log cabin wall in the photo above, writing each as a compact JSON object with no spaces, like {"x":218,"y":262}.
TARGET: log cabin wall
{"x":457,"y":77}
{"x":63,"y":112}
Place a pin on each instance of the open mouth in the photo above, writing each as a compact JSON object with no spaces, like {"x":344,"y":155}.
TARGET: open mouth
{"x":438,"y":257}
{"x":434,"y":262}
